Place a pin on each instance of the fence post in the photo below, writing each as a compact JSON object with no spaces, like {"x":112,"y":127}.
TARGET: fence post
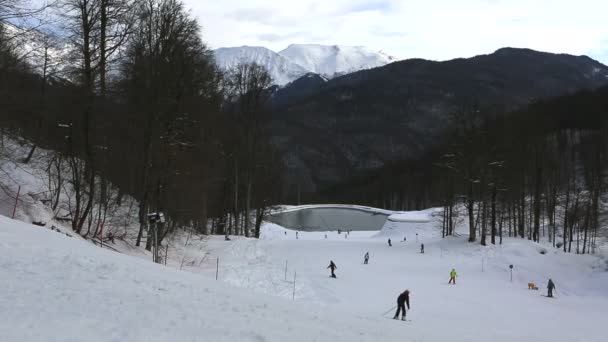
{"x":16,"y":201}
{"x":294,"y":285}
{"x":217,"y":268}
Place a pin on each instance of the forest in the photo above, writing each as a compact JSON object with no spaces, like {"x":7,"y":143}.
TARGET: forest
{"x":127,"y":96}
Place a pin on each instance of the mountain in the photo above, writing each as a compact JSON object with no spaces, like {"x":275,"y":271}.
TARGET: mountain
{"x":371,"y":118}
{"x":335,"y":59}
{"x":298,"y":59}
{"x":298,"y":89}
{"x":281,"y":69}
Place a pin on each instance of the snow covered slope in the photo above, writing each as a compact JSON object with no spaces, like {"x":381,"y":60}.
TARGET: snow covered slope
{"x":484,"y":305}
{"x":57,"y":288}
{"x":332,"y":60}
{"x":299,"y":59}
{"x":281,"y":69}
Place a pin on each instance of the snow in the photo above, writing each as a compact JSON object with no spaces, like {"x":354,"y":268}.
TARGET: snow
{"x":300,"y":59}
{"x":57,"y":288}
{"x":280,"y":68}
{"x":414,"y":216}
{"x":484,"y":305}
{"x":331,"y":60}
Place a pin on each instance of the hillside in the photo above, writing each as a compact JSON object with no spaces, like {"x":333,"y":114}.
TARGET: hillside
{"x":368,"y":119}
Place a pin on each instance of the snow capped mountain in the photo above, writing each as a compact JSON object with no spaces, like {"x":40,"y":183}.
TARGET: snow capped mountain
{"x":281,"y":69}
{"x":332,"y":60}
{"x":299,"y":59}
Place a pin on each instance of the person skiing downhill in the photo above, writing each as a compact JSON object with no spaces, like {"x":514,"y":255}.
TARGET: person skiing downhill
{"x":333,"y":268}
{"x":550,"y":288}
{"x":402,"y":300}
{"x":422,"y":248}
{"x":366,"y":258}
{"x":389,"y":243}
{"x":453,"y":276}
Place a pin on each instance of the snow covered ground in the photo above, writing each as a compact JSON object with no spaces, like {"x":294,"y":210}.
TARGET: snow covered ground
{"x":484,"y":305}
{"x":57,"y":288}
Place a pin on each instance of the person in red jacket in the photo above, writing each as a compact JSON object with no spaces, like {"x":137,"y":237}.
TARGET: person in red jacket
{"x":402,"y":300}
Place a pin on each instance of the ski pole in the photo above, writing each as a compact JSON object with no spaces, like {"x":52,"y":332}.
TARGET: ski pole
{"x":389,"y":310}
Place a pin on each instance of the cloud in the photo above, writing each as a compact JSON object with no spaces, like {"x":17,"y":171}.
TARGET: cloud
{"x":432,"y":29}
{"x":368,"y":6}
{"x":274,"y":37}
{"x":260,"y":15}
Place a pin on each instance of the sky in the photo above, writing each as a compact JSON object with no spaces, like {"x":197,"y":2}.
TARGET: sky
{"x":431,"y":29}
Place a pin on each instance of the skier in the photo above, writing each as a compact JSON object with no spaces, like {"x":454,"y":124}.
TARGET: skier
{"x":422,"y":248}
{"x":326,"y":236}
{"x":332,"y":267}
{"x":550,"y":288}
{"x":453,"y":276}
{"x":404,"y":239}
{"x":366,"y":258}
{"x":402,"y":300}
{"x":296,"y":235}
{"x":389,"y":243}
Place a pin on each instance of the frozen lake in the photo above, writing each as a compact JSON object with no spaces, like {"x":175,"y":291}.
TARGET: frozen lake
{"x":329,"y":218}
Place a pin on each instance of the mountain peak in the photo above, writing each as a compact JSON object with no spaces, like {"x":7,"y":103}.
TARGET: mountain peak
{"x":298,"y":59}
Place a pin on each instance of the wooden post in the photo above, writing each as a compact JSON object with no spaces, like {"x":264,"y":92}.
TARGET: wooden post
{"x":217,"y":268}
{"x":294,"y":285}
{"x":16,"y":201}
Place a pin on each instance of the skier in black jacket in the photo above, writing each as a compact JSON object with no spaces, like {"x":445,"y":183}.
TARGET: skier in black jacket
{"x":550,"y":288}
{"x":402,"y":300}
{"x":333,"y":268}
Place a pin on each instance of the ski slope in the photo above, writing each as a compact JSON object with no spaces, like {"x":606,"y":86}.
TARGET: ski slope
{"x":484,"y":304}
{"x":59,"y":288}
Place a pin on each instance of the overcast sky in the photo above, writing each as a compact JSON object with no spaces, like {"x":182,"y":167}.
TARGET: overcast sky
{"x":432,"y":29}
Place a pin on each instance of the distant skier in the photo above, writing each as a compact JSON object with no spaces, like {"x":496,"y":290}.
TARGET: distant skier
{"x":422,"y":248}
{"x":389,"y":243}
{"x":453,"y":276}
{"x":333,"y":268}
{"x":296,"y":235}
{"x":402,"y":300}
{"x":404,"y":239}
{"x":366,"y":258}
{"x":550,"y":288}
{"x":326,"y":236}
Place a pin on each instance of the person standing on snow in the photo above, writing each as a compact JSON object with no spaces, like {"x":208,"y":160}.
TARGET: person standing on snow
{"x":422,"y":248}
{"x":333,"y":268}
{"x":296,"y":235}
{"x":550,"y":288}
{"x":389,"y":243}
{"x":453,"y":276}
{"x":402,"y":300}
{"x":366,"y":258}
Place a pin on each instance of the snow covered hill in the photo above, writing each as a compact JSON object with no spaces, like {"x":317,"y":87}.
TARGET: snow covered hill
{"x":298,"y":59}
{"x":281,"y":69}
{"x":332,"y":60}
{"x":59,"y":288}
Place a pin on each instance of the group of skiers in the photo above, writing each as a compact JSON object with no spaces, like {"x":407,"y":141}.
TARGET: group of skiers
{"x":403,"y":299}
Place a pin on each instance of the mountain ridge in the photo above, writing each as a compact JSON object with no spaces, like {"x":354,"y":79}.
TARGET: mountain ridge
{"x":297,"y":60}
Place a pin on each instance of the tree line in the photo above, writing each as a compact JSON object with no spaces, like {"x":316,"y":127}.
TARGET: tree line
{"x":538,"y":172}
{"x":130,"y":99}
